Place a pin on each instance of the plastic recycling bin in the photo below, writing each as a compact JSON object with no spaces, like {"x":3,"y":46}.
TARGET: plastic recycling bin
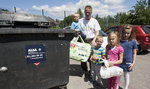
{"x":35,"y":58}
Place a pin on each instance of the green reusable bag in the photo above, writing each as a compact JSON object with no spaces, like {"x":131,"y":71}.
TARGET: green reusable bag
{"x":79,"y":51}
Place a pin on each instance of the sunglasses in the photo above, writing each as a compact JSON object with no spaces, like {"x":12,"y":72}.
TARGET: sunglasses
{"x":127,"y":27}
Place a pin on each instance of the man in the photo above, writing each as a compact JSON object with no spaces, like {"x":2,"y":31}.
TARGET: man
{"x":89,"y":28}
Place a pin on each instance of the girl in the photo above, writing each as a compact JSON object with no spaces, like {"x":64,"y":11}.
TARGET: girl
{"x":114,"y":55}
{"x":129,"y":57}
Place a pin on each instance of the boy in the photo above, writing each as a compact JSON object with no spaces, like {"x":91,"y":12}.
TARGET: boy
{"x":75,"y":25}
{"x":96,"y":60}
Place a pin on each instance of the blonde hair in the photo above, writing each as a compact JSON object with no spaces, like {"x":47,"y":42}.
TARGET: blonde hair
{"x":117,"y":35}
{"x":76,"y":15}
{"x":99,"y":37}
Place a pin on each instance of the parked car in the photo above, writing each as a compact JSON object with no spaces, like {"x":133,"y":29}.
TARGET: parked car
{"x":142,"y":35}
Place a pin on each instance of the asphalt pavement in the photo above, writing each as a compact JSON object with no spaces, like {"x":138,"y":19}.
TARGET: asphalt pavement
{"x":139,"y":78}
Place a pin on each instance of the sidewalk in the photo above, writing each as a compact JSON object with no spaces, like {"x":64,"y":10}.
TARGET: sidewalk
{"x":76,"y":81}
{"x":139,"y":78}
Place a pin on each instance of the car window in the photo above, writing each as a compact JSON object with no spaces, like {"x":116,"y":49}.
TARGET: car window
{"x":146,"y":29}
{"x":102,"y":33}
{"x":111,"y":29}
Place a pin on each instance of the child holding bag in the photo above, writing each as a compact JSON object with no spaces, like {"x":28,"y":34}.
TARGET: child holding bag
{"x":96,"y":61}
{"x":114,"y":55}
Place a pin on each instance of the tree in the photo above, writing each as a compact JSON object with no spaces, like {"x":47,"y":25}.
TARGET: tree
{"x":67,"y":21}
{"x":106,"y":22}
{"x":137,"y":16}
{"x":1,"y":9}
{"x":80,"y":12}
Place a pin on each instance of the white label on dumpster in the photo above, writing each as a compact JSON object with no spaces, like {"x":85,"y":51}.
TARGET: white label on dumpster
{"x":35,"y":53}
{"x":61,"y":35}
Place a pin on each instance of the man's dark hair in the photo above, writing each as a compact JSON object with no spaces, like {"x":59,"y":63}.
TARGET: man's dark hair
{"x":88,"y":6}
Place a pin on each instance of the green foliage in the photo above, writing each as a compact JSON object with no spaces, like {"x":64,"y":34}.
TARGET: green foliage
{"x":67,"y":21}
{"x":137,"y":16}
{"x":1,"y":9}
{"x":80,"y":12}
{"x":108,"y":21}
{"x":55,"y":28}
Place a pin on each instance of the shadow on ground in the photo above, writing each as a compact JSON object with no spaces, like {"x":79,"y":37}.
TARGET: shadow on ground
{"x":144,"y":52}
{"x":75,"y":70}
{"x":104,"y":86}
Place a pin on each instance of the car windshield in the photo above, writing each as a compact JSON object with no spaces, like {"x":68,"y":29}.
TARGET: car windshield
{"x":102,"y":33}
{"x":146,"y":29}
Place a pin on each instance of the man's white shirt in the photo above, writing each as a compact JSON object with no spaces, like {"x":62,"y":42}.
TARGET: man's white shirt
{"x":89,"y":27}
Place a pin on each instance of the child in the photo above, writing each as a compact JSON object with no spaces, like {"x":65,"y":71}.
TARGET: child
{"x":129,"y":57}
{"x":98,"y":54}
{"x":114,"y":55}
{"x":75,"y":25}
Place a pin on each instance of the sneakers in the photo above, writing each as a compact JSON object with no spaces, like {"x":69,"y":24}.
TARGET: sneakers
{"x":86,"y":76}
{"x":95,"y":83}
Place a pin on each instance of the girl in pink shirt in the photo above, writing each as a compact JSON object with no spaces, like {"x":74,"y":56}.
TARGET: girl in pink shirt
{"x":114,"y":55}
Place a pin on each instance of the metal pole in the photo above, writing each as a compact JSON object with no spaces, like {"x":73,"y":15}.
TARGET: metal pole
{"x":15,"y":9}
{"x":64,"y":14}
{"x":64,"y":18}
{"x":42,"y":12}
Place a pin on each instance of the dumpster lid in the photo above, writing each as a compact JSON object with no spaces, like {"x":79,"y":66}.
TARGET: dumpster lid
{"x":33,"y":30}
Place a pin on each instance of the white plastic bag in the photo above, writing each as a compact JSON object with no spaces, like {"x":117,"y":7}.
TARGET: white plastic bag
{"x":110,"y":72}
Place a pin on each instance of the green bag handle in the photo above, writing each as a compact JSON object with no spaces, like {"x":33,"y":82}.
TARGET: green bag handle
{"x":80,"y":39}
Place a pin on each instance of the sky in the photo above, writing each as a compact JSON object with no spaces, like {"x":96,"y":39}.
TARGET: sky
{"x":56,"y":8}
